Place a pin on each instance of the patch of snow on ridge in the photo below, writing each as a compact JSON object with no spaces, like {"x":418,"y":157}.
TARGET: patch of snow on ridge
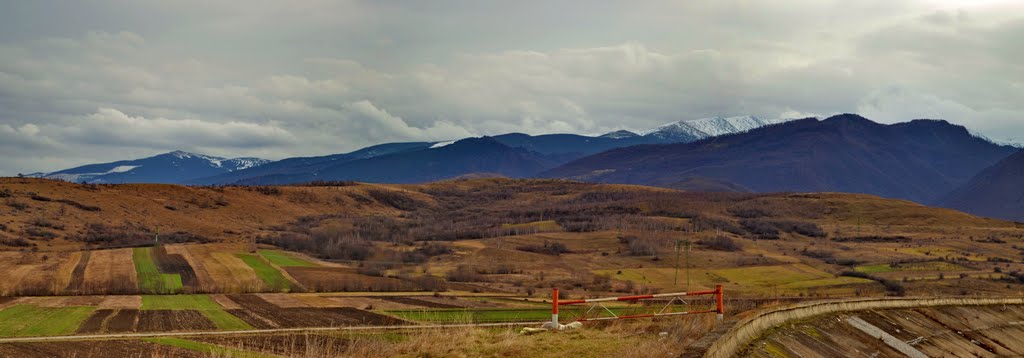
{"x":442,"y":144}
{"x":120,"y":169}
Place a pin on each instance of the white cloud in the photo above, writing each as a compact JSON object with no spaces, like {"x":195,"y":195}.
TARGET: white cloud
{"x":275,"y":80}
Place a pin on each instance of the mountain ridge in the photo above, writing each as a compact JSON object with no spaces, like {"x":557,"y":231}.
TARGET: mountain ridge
{"x":919,"y":160}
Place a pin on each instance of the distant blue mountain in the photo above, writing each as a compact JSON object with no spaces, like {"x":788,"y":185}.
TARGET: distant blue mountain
{"x":921,"y":160}
{"x":173,"y":168}
{"x":295,"y":167}
{"x":513,"y":154}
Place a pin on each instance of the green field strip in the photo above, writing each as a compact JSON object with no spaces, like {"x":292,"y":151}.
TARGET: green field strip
{"x":202,"y":303}
{"x":151,"y":280}
{"x":270,"y":275}
{"x":285,"y":259}
{"x":874,"y":268}
{"x":211,"y":350}
{"x":28,"y":320}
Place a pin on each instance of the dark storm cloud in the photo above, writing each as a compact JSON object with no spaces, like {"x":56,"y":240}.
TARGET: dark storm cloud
{"x":88,"y":81}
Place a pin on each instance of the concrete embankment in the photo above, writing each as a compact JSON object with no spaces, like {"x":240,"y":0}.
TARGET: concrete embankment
{"x":732,"y":338}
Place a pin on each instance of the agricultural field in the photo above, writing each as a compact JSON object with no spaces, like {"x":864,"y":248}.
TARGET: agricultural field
{"x":151,"y":279}
{"x":475,"y":251}
{"x":272,"y":278}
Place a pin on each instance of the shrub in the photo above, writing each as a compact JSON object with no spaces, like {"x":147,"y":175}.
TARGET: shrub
{"x":704,"y":223}
{"x":395,"y":199}
{"x":747,"y":212}
{"x":15,"y":242}
{"x":641,"y":247}
{"x":464,"y":273}
{"x":78,"y":205}
{"x":45,"y":223}
{"x":41,"y":233}
{"x":17,"y":205}
{"x":549,"y":248}
{"x":6,"y":193}
{"x":760,"y":229}
{"x":721,"y":243}
{"x":38,"y":197}
{"x":332,"y":183}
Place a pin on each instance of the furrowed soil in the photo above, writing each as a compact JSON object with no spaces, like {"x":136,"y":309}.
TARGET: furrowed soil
{"x":173,"y":320}
{"x":92,"y":349}
{"x":169,"y":263}
{"x":419,"y":302}
{"x":260,"y":312}
{"x":123,"y":321}
{"x":217,"y":268}
{"x":334,"y":279}
{"x":78,"y":274}
{"x":95,"y":323}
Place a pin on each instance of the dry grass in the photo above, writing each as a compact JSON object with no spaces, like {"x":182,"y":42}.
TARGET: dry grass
{"x":110,"y":270}
{"x":639,"y":338}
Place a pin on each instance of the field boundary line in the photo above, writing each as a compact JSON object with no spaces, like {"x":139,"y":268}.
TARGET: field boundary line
{"x":256,"y":331}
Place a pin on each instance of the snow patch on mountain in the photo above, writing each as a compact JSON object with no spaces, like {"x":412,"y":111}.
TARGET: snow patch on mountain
{"x":442,"y":144}
{"x":121,"y":169}
{"x":696,"y":129}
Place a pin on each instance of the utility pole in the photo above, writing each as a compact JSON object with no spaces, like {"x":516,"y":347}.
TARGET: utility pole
{"x":687,"y":242}
{"x":675,"y":282}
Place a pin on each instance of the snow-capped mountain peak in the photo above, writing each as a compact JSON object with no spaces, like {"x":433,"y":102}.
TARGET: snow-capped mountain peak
{"x":696,"y":129}
{"x":619,"y":134}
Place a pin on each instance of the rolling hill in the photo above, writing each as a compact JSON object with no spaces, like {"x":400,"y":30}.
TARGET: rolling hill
{"x":921,"y":160}
{"x":997,"y":191}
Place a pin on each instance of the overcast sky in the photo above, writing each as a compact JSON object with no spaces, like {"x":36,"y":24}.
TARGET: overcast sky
{"x":90,"y":81}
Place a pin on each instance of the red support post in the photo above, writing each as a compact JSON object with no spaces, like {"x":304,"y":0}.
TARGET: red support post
{"x":554,"y":307}
{"x":720,"y":304}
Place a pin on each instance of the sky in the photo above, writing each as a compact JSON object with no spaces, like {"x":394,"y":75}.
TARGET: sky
{"x":93,"y":81}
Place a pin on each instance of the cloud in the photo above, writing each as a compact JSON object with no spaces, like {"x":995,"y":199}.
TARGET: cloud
{"x":112,"y":127}
{"x":268,"y":79}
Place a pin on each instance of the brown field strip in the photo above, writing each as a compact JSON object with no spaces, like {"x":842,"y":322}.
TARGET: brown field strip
{"x":92,"y":349}
{"x":173,"y":320}
{"x":319,"y":301}
{"x":201,"y":281}
{"x":306,"y":316}
{"x":370,"y":303}
{"x":30,"y":273}
{"x":123,"y":321}
{"x":110,"y":272}
{"x":170,"y":263}
{"x":283,"y":300}
{"x":78,"y":274}
{"x":225,"y":302}
{"x":8,"y":301}
{"x":121,"y":302}
{"x":95,"y":323}
{"x":223,"y":270}
{"x":332,"y":279}
{"x":420,"y":302}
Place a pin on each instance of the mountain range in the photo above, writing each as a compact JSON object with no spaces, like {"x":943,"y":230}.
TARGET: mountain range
{"x":513,"y":155}
{"x":926,"y":161}
{"x":921,"y":160}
